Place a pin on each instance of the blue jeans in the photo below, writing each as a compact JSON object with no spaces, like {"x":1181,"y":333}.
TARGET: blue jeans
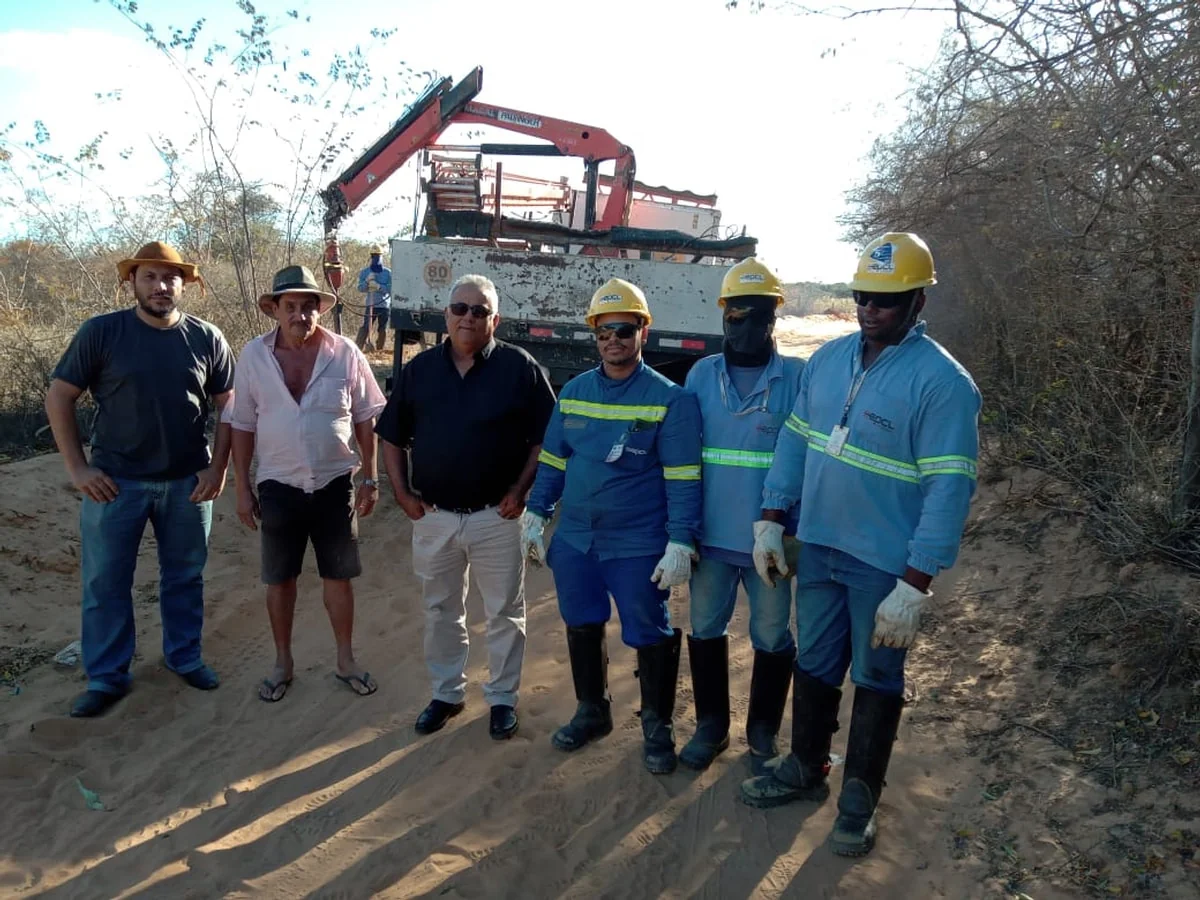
{"x":714,"y":593}
{"x":111,"y":533}
{"x":584,"y":582}
{"x":836,"y":599}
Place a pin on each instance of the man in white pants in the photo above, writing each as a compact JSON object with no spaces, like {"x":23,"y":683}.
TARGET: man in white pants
{"x":472,"y":413}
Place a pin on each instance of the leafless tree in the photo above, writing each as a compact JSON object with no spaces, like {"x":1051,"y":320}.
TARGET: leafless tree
{"x":1050,"y":158}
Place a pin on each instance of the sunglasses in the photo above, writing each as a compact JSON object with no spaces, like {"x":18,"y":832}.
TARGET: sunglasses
{"x":621,"y":330}
{"x":479,"y":311}
{"x":883,"y":301}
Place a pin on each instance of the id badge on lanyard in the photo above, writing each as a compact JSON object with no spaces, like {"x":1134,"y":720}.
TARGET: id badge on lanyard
{"x":841,"y":431}
{"x":837,"y":440}
{"x":618,"y":448}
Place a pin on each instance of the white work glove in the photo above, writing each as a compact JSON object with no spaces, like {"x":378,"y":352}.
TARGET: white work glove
{"x":533,"y":529}
{"x":768,"y":550}
{"x":675,"y":567}
{"x":372,"y":284}
{"x":899,"y":616}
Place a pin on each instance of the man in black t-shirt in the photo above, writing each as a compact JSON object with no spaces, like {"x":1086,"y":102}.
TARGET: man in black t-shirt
{"x":472,"y":411}
{"x":155,"y":374}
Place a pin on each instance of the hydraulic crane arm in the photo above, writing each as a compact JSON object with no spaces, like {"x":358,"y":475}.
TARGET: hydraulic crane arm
{"x":444,"y":104}
{"x":428,"y":117}
{"x":593,"y":145}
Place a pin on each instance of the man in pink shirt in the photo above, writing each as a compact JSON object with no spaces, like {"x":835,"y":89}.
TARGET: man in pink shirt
{"x":299,"y":393}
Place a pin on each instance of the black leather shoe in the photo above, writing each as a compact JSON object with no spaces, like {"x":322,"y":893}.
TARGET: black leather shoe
{"x":93,"y":703}
{"x":504,"y":722}
{"x":436,"y":715}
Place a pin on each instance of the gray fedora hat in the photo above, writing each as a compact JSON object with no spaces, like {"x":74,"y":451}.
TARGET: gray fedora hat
{"x":298,"y":279}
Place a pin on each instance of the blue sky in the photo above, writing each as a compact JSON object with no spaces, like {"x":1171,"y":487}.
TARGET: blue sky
{"x":753,"y":108}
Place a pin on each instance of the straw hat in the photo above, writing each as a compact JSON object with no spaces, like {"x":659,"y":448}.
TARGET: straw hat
{"x":160,"y":253}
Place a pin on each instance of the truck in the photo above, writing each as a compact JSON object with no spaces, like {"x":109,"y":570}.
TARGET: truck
{"x":547,"y":246}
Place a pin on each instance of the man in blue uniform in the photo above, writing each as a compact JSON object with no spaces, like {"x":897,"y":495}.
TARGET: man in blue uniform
{"x":622,"y":453}
{"x":375,"y":284}
{"x":881,"y":451}
{"x":745,"y":394}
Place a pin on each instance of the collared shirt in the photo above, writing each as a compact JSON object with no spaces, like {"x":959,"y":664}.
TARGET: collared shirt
{"x":623,"y":458}
{"x":306,"y":444}
{"x":895,"y":490}
{"x":740,"y":431}
{"x":470,"y":434}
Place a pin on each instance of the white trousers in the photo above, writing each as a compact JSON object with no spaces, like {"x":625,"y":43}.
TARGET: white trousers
{"x":449,"y":548}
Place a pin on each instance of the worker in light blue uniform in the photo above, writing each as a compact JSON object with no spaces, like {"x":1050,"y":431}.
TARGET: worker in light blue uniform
{"x":881,"y":452}
{"x":621,"y":462}
{"x":375,"y":284}
{"x":745,"y":394}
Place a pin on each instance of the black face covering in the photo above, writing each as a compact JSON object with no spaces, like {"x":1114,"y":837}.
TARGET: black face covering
{"x":748,"y":340}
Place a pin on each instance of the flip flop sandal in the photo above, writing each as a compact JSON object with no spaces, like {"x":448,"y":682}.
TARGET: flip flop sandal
{"x":352,"y":680}
{"x":272,"y":687}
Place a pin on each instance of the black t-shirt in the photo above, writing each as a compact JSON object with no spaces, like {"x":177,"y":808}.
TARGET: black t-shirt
{"x":152,"y":388}
{"x":470,"y":435}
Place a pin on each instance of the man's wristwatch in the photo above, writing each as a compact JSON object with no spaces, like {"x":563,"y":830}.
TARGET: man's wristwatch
{"x":370,"y":482}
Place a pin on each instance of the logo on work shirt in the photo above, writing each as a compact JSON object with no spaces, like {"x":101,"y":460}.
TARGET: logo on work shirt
{"x":574,"y":422}
{"x":634,"y":450}
{"x":879,"y":421}
{"x":768,"y":429}
{"x":881,"y":260}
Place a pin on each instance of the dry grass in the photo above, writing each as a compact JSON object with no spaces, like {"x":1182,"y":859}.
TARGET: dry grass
{"x":827,"y":305}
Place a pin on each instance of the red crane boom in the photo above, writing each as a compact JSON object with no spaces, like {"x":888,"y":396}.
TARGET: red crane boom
{"x":446,"y":103}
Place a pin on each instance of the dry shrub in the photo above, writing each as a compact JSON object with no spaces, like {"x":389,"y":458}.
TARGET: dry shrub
{"x":825,"y":305}
{"x":1046,"y":163}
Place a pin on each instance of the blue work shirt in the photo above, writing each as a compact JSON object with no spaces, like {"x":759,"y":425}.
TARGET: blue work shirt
{"x":739,"y":435}
{"x":623,"y":457}
{"x":898,"y":492}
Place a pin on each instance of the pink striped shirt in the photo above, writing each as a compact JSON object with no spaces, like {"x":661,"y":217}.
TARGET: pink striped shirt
{"x":310,"y":443}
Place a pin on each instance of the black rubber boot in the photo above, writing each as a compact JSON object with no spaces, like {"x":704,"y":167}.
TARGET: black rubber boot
{"x":709,"y":662}
{"x":803,"y":773}
{"x":769,"y":685}
{"x":588,"y":647}
{"x":873,"y":727}
{"x":658,"y":672}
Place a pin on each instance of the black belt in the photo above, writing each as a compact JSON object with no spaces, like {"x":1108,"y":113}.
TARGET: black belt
{"x":461,"y":510}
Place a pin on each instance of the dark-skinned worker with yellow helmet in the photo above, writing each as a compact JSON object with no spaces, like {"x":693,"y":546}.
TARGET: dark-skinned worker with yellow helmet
{"x":745,"y":394}
{"x":880,"y":451}
{"x":620,"y":462}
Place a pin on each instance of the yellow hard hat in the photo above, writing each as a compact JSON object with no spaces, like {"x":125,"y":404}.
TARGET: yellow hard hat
{"x":617,"y":295}
{"x":750,"y":278}
{"x":897,"y":261}
{"x":376,"y":248}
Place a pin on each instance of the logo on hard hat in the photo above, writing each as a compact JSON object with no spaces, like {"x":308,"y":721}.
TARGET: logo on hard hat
{"x":751,"y":278}
{"x":881,"y":260}
{"x":610,"y":298}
